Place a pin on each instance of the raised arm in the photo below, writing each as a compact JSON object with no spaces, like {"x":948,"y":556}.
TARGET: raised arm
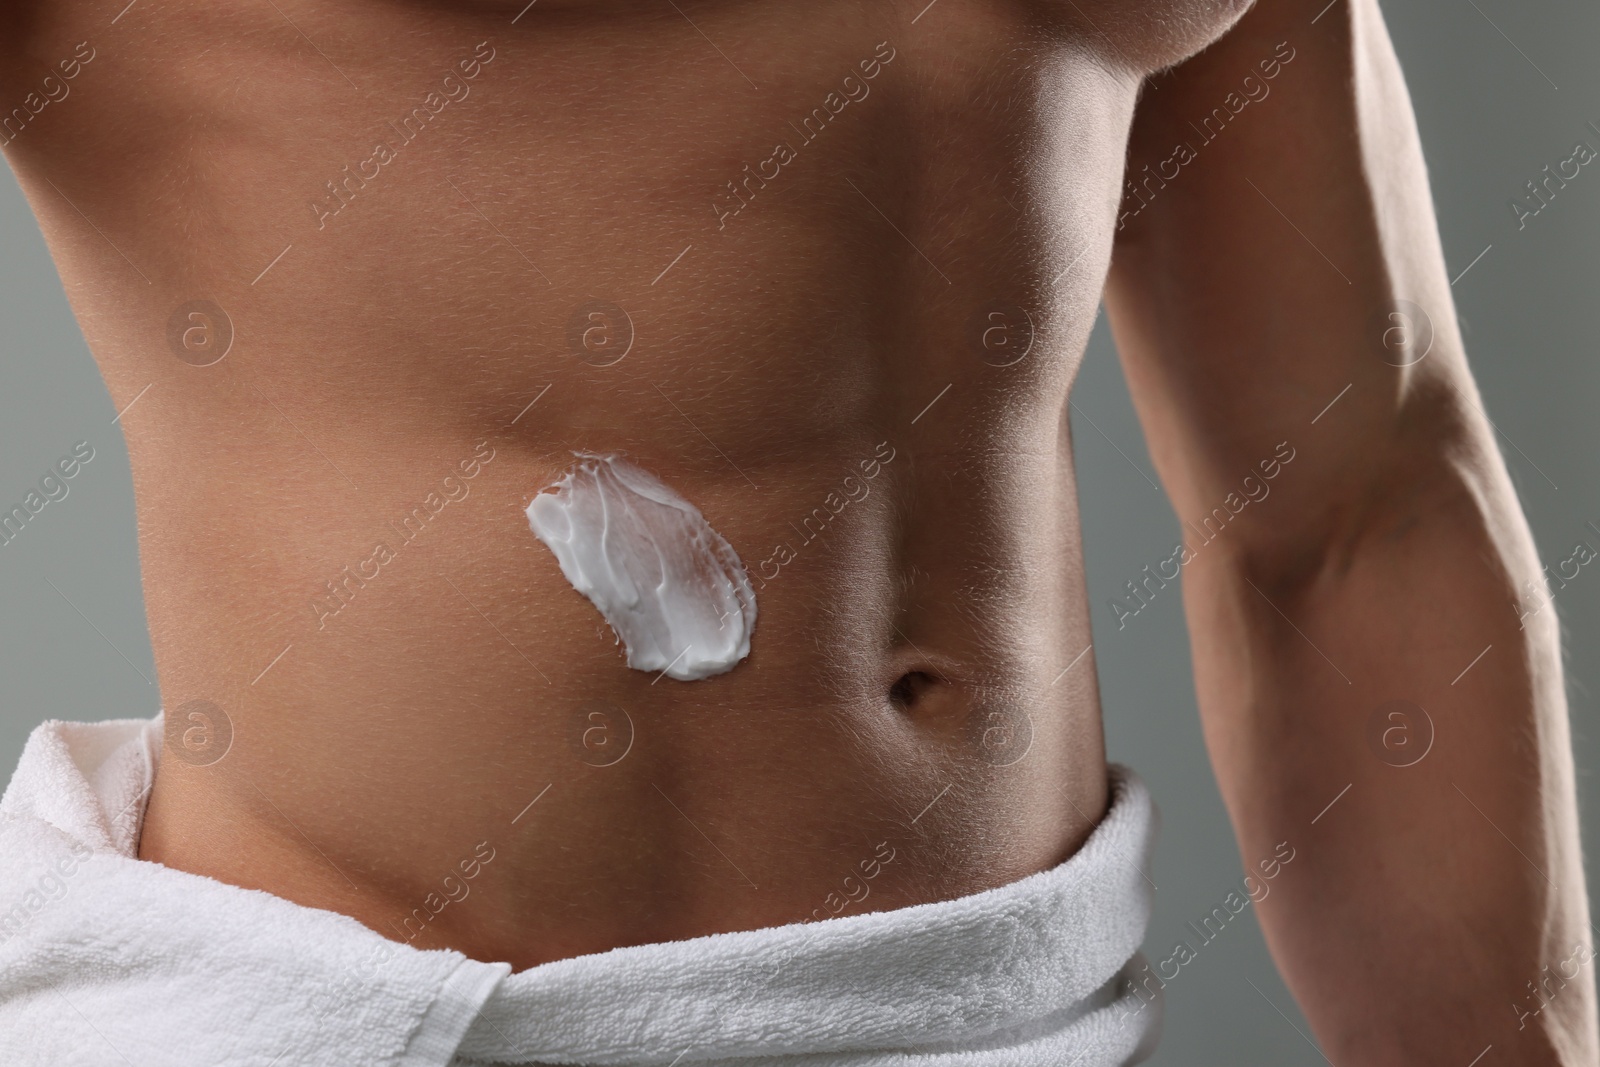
{"x":1278,"y":289}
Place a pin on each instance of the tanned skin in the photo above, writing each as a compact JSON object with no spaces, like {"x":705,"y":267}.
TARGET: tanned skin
{"x":410,"y":214}
{"x":1297,"y":264}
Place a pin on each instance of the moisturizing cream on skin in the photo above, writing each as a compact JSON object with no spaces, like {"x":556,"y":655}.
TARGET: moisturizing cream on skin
{"x":672,"y":588}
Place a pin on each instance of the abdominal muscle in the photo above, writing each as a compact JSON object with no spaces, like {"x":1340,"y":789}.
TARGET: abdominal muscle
{"x":855,"y":365}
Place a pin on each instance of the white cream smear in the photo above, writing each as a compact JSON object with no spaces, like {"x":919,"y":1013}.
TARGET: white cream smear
{"x":672,"y":588}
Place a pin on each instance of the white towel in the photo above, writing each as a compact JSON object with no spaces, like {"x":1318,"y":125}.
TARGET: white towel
{"x":109,"y":960}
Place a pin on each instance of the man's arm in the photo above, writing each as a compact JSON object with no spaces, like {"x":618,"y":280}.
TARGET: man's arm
{"x":1250,"y":297}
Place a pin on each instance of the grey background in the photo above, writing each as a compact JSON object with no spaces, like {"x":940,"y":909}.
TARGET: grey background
{"x":73,"y":642}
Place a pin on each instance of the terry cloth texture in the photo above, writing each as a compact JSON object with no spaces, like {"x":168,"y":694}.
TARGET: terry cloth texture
{"x":107,"y":960}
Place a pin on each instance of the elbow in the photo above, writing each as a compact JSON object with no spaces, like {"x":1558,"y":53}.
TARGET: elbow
{"x":1420,"y":479}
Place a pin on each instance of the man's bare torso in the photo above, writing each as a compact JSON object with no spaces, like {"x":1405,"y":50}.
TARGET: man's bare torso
{"x":825,"y":268}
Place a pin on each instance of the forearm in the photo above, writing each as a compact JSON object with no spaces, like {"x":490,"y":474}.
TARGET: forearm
{"x":1425,"y":896}
{"x":1254,"y":298}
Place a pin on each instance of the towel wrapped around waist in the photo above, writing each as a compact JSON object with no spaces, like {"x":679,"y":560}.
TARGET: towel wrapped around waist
{"x":132,"y":961}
